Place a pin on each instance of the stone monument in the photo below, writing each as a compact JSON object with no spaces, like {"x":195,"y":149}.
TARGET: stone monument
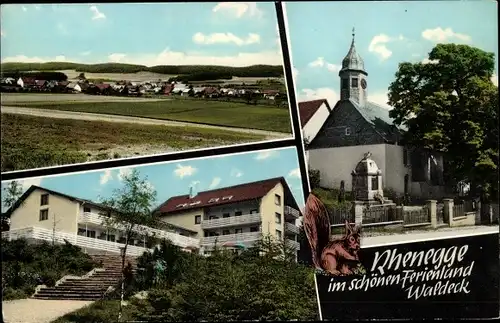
{"x":367,"y":187}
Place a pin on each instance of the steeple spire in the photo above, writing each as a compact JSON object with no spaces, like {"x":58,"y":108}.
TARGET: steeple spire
{"x":353,"y":34}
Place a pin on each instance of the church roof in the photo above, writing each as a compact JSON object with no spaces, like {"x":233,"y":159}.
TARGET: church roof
{"x":378,"y":117}
{"x":307,"y":109}
{"x":353,"y":60}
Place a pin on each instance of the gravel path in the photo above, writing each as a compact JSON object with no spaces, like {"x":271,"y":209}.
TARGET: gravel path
{"x":137,"y":120}
{"x":414,"y":236}
{"x":37,"y":310}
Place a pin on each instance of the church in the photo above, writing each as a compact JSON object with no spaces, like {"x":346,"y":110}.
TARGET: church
{"x":355,"y":126}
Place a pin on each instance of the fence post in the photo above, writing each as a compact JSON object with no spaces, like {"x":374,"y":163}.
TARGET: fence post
{"x":448,"y":211}
{"x":358,"y":213}
{"x":432,"y":209}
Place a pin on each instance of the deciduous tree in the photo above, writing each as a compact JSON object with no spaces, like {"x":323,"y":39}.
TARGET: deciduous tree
{"x":450,"y":104}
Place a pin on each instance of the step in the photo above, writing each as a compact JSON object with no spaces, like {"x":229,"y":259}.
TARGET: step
{"x":69,"y":297}
{"x":58,"y":290}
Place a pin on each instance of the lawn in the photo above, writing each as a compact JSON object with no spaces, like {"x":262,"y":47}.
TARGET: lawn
{"x":32,"y":142}
{"x":230,"y":114}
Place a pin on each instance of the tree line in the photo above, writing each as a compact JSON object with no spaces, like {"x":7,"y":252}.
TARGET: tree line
{"x":246,"y":71}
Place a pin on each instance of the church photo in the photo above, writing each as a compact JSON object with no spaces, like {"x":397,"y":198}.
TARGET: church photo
{"x":384,"y":129}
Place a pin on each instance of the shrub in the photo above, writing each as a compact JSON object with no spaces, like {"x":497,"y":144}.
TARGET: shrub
{"x":314,"y":178}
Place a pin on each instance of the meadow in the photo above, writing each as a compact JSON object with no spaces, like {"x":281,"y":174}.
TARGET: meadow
{"x":33,"y":142}
{"x":231,"y":114}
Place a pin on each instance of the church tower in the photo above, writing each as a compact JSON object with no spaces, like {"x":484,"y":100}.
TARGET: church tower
{"x":353,"y":76}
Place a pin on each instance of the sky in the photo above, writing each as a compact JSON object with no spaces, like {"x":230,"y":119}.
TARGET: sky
{"x":387,"y":33}
{"x":175,"y":178}
{"x":230,"y":34}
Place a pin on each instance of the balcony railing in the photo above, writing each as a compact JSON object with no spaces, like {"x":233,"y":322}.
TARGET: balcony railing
{"x":80,"y":241}
{"x":291,"y":228}
{"x":293,"y":244}
{"x":291,"y":212}
{"x":235,"y":238}
{"x":231,"y":221}
{"x":177,"y":239}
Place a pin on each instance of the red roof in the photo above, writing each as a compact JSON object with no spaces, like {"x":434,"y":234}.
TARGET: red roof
{"x":226,"y":195}
{"x":210,"y":90}
{"x":270,"y":92}
{"x":168,"y":89}
{"x":40,"y":82}
{"x":28,"y":80}
{"x":103,"y":86}
{"x":308,"y":108}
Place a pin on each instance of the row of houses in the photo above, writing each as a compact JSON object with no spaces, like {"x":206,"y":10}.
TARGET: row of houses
{"x":235,"y":217}
{"x":134,"y":88}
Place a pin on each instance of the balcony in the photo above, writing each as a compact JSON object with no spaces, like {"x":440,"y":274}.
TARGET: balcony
{"x":293,"y":244}
{"x":244,"y":238}
{"x":291,"y":213}
{"x":291,"y":228}
{"x":176,"y":239}
{"x":240,"y":220}
{"x":36,"y":233}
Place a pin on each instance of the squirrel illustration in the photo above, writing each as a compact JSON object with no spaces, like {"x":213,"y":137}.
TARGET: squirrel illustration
{"x":336,"y":257}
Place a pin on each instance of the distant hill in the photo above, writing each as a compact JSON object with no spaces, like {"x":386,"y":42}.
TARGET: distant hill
{"x":247,"y":71}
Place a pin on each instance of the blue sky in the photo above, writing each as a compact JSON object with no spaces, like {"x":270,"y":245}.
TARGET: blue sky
{"x":175,"y":178}
{"x":234,"y":34}
{"x":387,"y":33}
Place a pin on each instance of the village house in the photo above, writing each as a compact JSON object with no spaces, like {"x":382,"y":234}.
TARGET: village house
{"x":236,"y":216}
{"x":355,"y":126}
{"x":26,"y":82}
{"x":74,"y":87}
{"x":41,"y":214}
{"x":270,"y":94}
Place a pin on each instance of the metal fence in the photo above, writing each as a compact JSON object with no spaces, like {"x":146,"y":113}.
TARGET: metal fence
{"x":458,"y":210}
{"x":380,"y":214}
{"x":416,"y":215}
{"x":339,"y":216}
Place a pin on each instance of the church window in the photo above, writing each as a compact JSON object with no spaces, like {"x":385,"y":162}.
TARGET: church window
{"x":345,"y":83}
{"x":354,"y":82}
{"x":347,"y":131}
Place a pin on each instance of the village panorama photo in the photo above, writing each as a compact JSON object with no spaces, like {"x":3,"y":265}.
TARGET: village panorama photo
{"x":90,"y":85}
{"x":399,"y":117}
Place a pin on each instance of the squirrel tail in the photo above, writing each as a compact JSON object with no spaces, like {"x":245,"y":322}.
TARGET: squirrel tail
{"x":316,"y":227}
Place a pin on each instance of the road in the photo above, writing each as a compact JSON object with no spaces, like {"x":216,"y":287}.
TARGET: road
{"x":38,"y":311}
{"x":457,"y":232}
{"x":58,"y":114}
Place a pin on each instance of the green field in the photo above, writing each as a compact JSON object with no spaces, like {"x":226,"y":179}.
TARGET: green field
{"x":230,"y":114}
{"x":32,"y":142}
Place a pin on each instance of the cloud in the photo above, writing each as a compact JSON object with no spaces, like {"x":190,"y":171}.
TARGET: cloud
{"x":378,"y":46}
{"x":116,"y":57}
{"x":183,"y":171}
{"x":60,"y":58}
{"x":168,"y":57}
{"x":380,"y":98}
{"x":266,"y":155}
{"x":97,"y":14}
{"x":494,"y":79}
{"x":124,"y":172}
{"x":215,"y":183}
{"x":238,"y":9}
{"x":320,"y":93}
{"x":295,"y":73}
{"x":24,"y":8}
{"x":106,"y":177}
{"x":37,"y":7}
{"x":236,"y":173}
{"x":225,"y":38}
{"x":294,"y":173}
{"x":2,"y":33}
{"x":440,"y":35}
{"x":320,"y":62}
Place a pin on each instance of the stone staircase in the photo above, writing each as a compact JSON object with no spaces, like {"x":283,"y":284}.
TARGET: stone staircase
{"x":90,"y":288}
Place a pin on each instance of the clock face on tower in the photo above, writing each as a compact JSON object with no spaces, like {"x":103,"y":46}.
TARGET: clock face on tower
{"x":363,"y":84}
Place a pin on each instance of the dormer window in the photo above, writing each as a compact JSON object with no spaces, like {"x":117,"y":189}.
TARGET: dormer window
{"x":195,"y":203}
{"x":347,"y":131}
{"x":181,"y":205}
{"x":227,"y":198}
{"x":354,"y":82}
{"x":213,"y":200}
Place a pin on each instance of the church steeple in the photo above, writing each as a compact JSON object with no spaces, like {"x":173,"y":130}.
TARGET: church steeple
{"x":353,"y":75}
